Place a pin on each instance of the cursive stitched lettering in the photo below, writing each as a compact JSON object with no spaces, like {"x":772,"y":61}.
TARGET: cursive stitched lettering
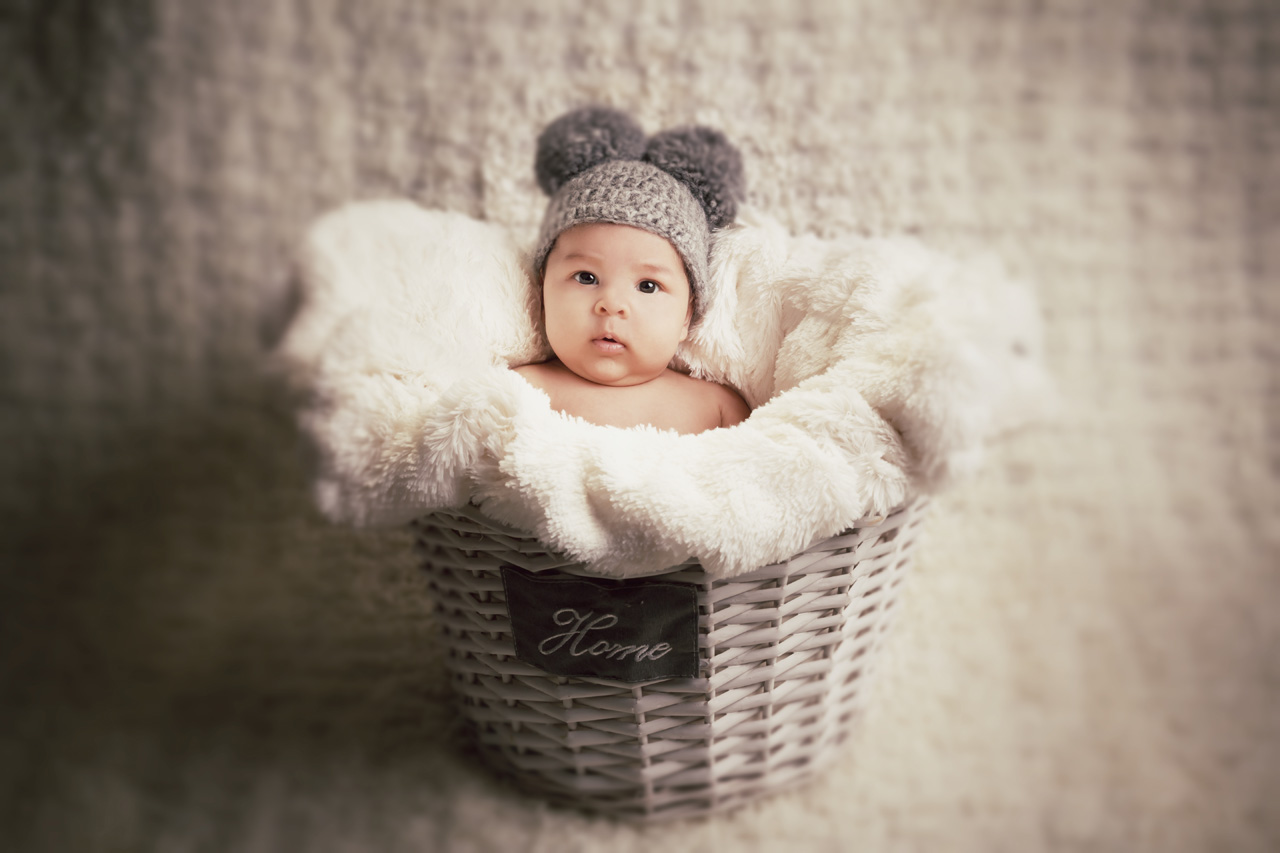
{"x":564,"y":616}
{"x":580,"y":625}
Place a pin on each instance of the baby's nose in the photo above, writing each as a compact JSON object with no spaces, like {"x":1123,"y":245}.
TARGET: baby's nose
{"x":609,"y":303}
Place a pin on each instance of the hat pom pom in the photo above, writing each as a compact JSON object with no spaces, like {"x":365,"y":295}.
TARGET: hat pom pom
{"x":707,"y":163}
{"x":584,"y":138}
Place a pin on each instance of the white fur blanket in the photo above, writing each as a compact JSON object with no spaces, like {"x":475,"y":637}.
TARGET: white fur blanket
{"x":876,"y":369}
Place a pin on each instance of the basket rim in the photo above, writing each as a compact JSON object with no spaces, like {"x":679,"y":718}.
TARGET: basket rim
{"x":688,"y":571}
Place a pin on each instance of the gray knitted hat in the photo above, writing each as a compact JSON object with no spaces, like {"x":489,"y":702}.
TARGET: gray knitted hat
{"x":597,"y":166}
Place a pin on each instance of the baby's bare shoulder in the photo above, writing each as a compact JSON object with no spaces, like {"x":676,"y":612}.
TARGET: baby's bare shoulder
{"x":733,"y":409}
{"x":728,"y":406}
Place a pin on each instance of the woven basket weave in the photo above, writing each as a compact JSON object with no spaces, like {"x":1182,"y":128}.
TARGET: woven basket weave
{"x":785,"y":656}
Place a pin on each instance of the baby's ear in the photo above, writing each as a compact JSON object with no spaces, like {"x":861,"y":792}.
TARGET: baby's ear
{"x":584,"y":138}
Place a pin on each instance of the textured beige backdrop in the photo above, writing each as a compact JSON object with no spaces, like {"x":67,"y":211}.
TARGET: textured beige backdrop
{"x":1089,"y":657}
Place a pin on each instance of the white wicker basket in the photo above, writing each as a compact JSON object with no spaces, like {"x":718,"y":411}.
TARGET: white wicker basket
{"x":785,"y":654}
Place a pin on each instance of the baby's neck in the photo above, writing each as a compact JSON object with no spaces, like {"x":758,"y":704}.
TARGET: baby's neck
{"x":664,"y":401}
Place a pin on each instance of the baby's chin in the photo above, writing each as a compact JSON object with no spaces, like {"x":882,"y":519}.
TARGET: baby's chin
{"x":613,"y":375}
{"x":629,"y":380}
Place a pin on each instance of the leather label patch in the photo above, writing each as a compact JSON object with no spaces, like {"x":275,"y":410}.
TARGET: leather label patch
{"x":625,"y":630}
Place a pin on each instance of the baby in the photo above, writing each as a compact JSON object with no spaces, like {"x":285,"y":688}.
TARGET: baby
{"x":623,"y":258}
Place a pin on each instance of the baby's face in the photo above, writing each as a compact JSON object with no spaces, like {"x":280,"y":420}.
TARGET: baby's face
{"x":616,"y":302}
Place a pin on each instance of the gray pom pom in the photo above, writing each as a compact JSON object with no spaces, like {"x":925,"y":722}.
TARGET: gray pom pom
{"x":584,"y":138}
{"x":707,"y":163}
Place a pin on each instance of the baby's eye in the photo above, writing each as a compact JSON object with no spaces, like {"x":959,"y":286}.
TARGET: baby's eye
{"x":584,"y":277}
{"x":648,"y":287}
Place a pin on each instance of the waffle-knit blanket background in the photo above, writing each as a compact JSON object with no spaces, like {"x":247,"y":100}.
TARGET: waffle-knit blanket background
{"x":191,"y":660}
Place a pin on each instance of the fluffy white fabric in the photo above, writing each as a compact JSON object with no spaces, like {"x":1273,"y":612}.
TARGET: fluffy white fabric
{"x":877,"y":369}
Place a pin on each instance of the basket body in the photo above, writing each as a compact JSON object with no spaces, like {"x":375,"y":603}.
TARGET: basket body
{"x":785,"y":655}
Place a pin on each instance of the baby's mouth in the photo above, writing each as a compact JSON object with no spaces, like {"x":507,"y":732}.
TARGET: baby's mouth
{"x":608,"y":343}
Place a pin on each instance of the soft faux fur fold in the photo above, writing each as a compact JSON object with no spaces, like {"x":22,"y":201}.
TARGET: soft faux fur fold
{"x":877,"y":369}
